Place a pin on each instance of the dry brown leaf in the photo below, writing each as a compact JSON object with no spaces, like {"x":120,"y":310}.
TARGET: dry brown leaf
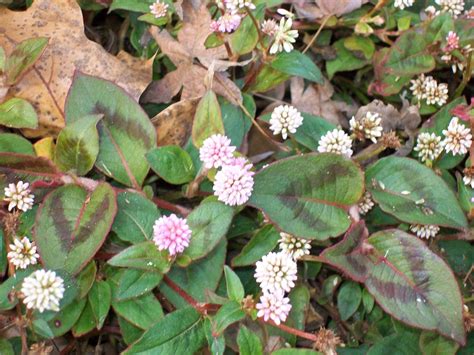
{"x":173,"y":124}
{"x":47,"y":84}
{"x":316,"y":100}
{"x":189,"y":76}
{"x":321,"y":8}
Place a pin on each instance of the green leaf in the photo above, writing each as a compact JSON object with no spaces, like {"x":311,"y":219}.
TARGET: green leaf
{"x":125,"y":132}
{"x":14,"y":143}
{"x":9,"y":286}
{"x":77,"y":145}
{"x":172,"y":163}
{"x":299,"y":299}
{"x":267,"y":79}
{"x":311,"y":131}
{"x":3,"y":254}
{"x":459,"y":254}
{"x":295,"y":352}
{"x":131,"y":5}
{"x":434,"y":344}
{"x":245,"y":39}
{"x":142,"y":312}
{"x":86,"y":279}
{"x":180,"y":332}
{"x":130,"y":333}
{"x":197,"y":278}
{"x":360,"y":44}
{"x":235,"y":289}
{"x":100,"y":297}
{"x":368,"y":300}
{"x":209,"y":223}
{"x":5,"y":347}
{"x":236,"y":122}
{"x":41,"y":327}
{"x":85,"y":323}
{"x":135,"y":217}
{"x":216,"y":341}
{"x":407,"y":279}
{"x":249,"y":343}
{"x":18,"y":113}
{"x":399,"y":344}
{"x":208,"y":119}
{"x":298,"y":64}
{"x":143,"y":256}
{"x":263,"y":242}
{"x":23,"y":57}
{"x":72,"y":224}
{"x":134,"y":283}
{"x":348,"y":299}
{"x":312,"y":203}
{"x":345,"y":60}
{"x":413,"y":193}
{"x":64,"y":320}
{"x":230,"y":313}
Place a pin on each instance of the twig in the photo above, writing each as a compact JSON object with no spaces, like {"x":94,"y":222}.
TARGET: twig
{"x":323,"y":23}
{"x":294,"y":331}
{"x":184,"y":295}
{"x":466,"y":77}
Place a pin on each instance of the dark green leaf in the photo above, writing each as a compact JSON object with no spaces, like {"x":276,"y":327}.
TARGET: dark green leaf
{"x":228,"y":314}
{"x":144,"y":256}
{"x":64,"y":320}
{"x":399,"y":344}
{"x":85,"y":323}
{"x":434,"y":344}
{"x":100,"y":297}
{"x":368,"y":300}
{"x":130,"y":333}
{"x":86,"y":279}
{"x":235,"y":289}
{"x":313,"y":203}
{"x":14,"y":143}
{"x":135,"y":283}
{"x":299,"y":64}
{"x":245,"y":39}
{"x":348,"y":299}
{"x":263,"y":242}
{"x":249,"y":343}
{"x":142,"y":312}
{"x":172,"y":163}
{"x":208,"y":119}
{"x":459,"y":254}
{"x":345,"y":60}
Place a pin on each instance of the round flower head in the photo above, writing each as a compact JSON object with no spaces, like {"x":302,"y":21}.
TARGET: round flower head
{"x":19,"y":196}
{"x":336,"y":141}
{"x":228,"y":22}
{"x":235,"y":5}
{"x":22,"y":253}
{"x":276,"y":272}
{"x":436,"y":94}
{"x":159,"y":9}
{"x":274,"y":306}
{"x":285,"y":119}
{"x":401,"y":4}
{"x":454,"y":7}
{"x":428,"y":146}
{"x":293,"y":246}
{"x":366,"y":204}
{"x":418,"y":86}
{"x":171,"y":233}
{"x":216,"y":151}
{"x":284,"y":37}
{"x":458,"y":138}
{"x":425,"y":231}
{"x":452,"y":42}
{"x":368,"y":127}
{"x":233,"y":185}
{"x":43,"y":290}
{"x":270,"y":27}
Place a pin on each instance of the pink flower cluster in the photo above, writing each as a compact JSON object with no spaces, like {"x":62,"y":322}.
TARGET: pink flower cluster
{"x":228,"y":22}
{"x":233,"y":184}
{"x":171,"y":233}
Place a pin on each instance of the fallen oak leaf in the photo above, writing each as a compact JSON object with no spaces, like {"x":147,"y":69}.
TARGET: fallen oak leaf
{"x":188,"y":76}
{"x":47,"y":83}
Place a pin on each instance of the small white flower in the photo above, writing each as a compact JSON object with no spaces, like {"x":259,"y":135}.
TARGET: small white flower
{"x":366,"y":203}
{"x":468,"y":177}
{"x":458,"y":138}
{"x":274,"y":306}
{"x":284,"y":37}
{"x":216,"y":151}
{"x":43,"y":290}
{"x":235,"y":5}
{"x":22,"y":253}
{"x":285,"y":119}
{"x":270,"y":27}
{"x":19,"y":196}
{"x":431,"y":11}
{"x":276,"y":272}
{"x":425,"y":230}
{"x":293,"y":246}
{"x":368,"y":127}
{"x":427,"y":88}
{"x":418,"y":86}
{"x":336,"y":141}
{"x":401,"y":4}
{"x":285,"y":13}
{"x":233,"y":185}
{"x":454,"y":7}
{"x":159,"y":9}
{"x":428,"y":146}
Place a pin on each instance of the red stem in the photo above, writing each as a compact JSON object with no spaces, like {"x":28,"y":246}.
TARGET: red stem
{"x":171,"y":207}
{"x":184,"y":295}
{"x":294,"y":331}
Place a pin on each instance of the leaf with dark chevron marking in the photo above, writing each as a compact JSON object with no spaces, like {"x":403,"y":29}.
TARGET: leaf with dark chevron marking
{"x":309,"y":195}
{"x":72,"y":224}
{"x":407,"y":279}
{"x":125,"y":132}
{"x":413,"y":193}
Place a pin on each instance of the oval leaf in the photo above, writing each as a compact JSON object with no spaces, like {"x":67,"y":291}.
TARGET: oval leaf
{"x":208,"y":119}
{"x":172,"y":163}
{"x":18,"y":113}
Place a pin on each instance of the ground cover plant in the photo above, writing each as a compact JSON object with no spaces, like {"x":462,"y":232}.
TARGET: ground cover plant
{"x":236,"y":177}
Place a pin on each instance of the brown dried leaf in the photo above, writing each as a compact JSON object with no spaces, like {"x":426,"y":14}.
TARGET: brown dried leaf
{"x":173,"y":124}
{"x":47,"y":84}
{"x":326,"y":7}
{"x":316,"y":100}
{"x":183,"y":52}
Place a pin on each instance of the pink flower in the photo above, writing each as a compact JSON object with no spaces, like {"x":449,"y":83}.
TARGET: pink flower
{"x":452,"y":42}
{"x":228,"y":22}
{"x":171,"y":233}
{"x":233,"y":185}
{"x":274,"y":306}
{"x":216,"y":151}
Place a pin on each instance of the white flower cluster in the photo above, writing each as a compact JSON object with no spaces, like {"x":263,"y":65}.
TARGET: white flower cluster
{"x":336,"y":141}
{"x":402,"y":4}
{"x":425,"y":230}
{"x":233,"y":184}
{"x":159,"y":9}
{"x":366,"y":203}
{"x":284,"y":35}
{"x":368,"y":127}
{"x":285,"y":119}
{"x":452,"y":50}
{"x":457,"y":140}
{"x":276,"y":273}
{"x":43,"y":290}
{"x":428,"y":89}
{"x":19,"y":196}
{"x":22,"y":253}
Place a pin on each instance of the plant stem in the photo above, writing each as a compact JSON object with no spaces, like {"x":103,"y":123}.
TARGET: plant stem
{"x":184,"y":295}
{"x":294,"y":331}
{"x":313,"y":258}
{"x":257,"y":27}
{"x":466,"y":77}
{"x":323,"y":23}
